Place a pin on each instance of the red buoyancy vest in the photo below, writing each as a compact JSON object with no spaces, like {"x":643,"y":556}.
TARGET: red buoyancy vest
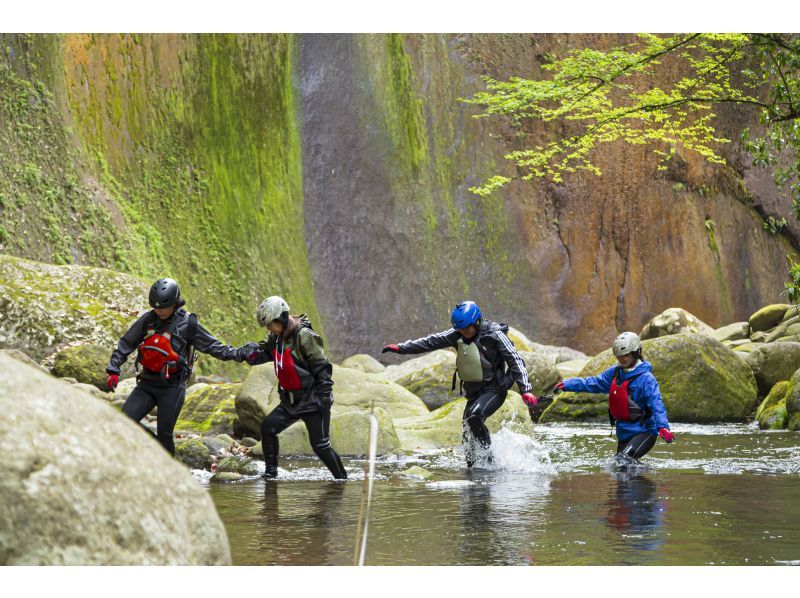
{"x":157,"y":355}
{"x":620,"y":404}
{"x":285,"y":369}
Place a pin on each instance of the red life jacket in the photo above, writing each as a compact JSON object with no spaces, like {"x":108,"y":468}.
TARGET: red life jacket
{"x":620,"y":405}
{"x":157,"y":353}
{"x":286,"y":370}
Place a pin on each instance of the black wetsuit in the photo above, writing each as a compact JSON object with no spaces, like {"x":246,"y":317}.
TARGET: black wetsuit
{"x":638,"y":446}
{"x":153,"y":389}
{"x":483,"y":398}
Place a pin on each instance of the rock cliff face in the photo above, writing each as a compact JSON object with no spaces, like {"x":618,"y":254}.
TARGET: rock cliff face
{"x":334,"y":170}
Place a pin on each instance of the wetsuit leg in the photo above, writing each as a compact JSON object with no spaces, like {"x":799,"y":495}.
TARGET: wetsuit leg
{"x":478,"y":411}
{"x":169,"y":400}
{"x":318,"y":425}
{"x":138,"y":404}
{"x":638,"y":446}
{"x":276,"y":422}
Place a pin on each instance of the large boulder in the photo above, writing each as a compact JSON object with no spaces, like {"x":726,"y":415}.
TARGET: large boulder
{"x":209,"y":410}
{"x":558,"y":354}
{"x":45,"y":307}
{"x":24,"y":358}
{"x":732,"y":332}
{"x":781,"y":330}
{"x":793,"y":402}
{"x":771,"y":414}
{"x":349,"y":435}
{"x":86,"y":363}
{"x":193,"y":453}
{"x":442,"y":428}
{"x":542,"y":373}
{"x":81,"y":480}
{"x":773,"y":362}
{"x":365,"y":363}
{"x":701,"y":380}
{"x":674,"y":320}
{"x":395,"y":372}
{"x":252,"y":402}
{"x":521,"y":342}
{"x":433,"y":384}
{"x":571,"y":368}
{"x":356,"y":391}
{"x":767,"y":317}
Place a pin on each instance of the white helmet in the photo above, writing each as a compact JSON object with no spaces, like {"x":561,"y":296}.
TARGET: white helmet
{"x":625,"y":343}
{"x":272,"y":308}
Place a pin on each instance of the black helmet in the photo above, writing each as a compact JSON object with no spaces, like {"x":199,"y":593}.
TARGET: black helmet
{"x":165,"y":292}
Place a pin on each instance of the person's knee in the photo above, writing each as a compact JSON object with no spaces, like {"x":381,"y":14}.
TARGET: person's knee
{"x":269,"y":428}
{"x":321,"y":445}
{"x":474,"y":421}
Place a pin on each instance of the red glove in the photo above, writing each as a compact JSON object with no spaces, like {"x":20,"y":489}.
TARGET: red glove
{"x":113,"y":380}
{"x":529,"y":399}
{"x":560,"y":386}
{"x":666,"y":435}
{"x":392,"y":348}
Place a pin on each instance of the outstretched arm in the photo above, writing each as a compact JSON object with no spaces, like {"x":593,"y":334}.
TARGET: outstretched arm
{"x":596,"y":384}
{"x":432,"y":342}
{"x":206,"y":343}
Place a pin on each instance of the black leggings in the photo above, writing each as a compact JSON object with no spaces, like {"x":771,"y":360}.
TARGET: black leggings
{"x":478,"y":410}
{"x":318,"y":426}
{"x":168,"y":399}
{"x":638,"y":446}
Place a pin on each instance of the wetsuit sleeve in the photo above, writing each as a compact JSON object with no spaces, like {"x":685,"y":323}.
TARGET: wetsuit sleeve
{"x":129,"y":342}
{"x":318,"y":364}
{"x":654,"y":403}
{"x":206,"y":343}
{"x":515,"y":362}
{"x":438,"y":340}
{"x":596,"y":384}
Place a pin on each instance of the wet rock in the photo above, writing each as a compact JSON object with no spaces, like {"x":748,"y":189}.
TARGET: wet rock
{"x":767,"y":317}
{"x":249,"y":442}
{"x":674,"y":320}
{"x":739,"y":331}
{"x":365,"y":363}
{"x":226,"y":477}
{"x":209,"y":410}
{"x":772,"y":363}
{"x":442,"y":428}
{"x":45,"y":307}
{"x":395,"y":372}
{"x":71,"y":497}
{"x":416,"y":472}
{"x":252,"y":402}
{"x":193,"y":453}
{"x":793,"y":402}
{"x":85,"y":363}
{"x":701,"y":380}
{"x":771,"y":414}
{"x":433,"y":384}
{"x":349,"y":435}
{"x":238,"y":464}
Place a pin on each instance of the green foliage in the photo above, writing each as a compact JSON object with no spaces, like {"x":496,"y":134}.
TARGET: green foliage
{"x":773,"y":226}
{"x":605,"y":97}
{"x":793,"y":286}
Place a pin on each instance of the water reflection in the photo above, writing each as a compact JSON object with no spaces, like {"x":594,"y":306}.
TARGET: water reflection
{"x":635,"y":511}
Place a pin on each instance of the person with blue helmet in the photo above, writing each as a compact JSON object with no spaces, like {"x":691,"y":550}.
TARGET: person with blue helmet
{"x":634,"y":399}
{"x":487,"y":363}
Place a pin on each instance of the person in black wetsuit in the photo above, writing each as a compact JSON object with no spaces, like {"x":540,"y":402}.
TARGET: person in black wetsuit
{"x":483,"y":352}
{"x":305,"y":385}
{"x":166,"y":338}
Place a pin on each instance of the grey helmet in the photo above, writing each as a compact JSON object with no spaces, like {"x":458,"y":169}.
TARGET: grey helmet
{"x":625,"y":343}
{"x":273,"y":308}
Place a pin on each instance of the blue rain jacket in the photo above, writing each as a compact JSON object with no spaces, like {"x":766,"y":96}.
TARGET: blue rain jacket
{"x":643,"y":389}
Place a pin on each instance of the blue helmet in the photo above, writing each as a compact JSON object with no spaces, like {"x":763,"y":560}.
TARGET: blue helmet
{"x":464,"y":314}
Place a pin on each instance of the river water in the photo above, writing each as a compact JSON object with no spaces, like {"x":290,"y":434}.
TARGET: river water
{"x":719,"y":495}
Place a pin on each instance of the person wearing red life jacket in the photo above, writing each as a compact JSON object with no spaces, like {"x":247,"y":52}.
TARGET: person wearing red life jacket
{"x":165,"y":339}
{"x":305,"y":385}
{"x":635,"y":404}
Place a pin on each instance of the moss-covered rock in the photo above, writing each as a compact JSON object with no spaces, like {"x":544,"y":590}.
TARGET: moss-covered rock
{"x":365,"y":363}
{"x":238,"y":464}
{"x":443,"y":427}
{"x":521,"y":342}
{"x":772,"y":363}
{"x":771,"y":414}
{"x":193,"y":453}
{"x":674,"y":320}
{"x":767,"y":317}
{"x":542,"y":373}
{"x":433,"y":384}
{"x":209,"y":410}
{"x":700,"y":379}
{"x":781,"y":330}
{"x":252,"y":402}
{"x":426,"y":360}
{"x":85,"y":363}
{"x":226,"y":477}
{"x":355,"y":391}
{"x":571,"y":368}
{"x":416,"y":472}
{"x":732,"y":332}
{"x":45,"y":307}
{"x":793,"y":402}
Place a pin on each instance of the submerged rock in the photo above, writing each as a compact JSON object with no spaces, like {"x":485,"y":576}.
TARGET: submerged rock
{"x":71,"y":497}
{"x":701,"y":380}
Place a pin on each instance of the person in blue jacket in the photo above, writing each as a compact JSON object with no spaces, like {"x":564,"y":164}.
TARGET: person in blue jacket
{"x":634,"y":400}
